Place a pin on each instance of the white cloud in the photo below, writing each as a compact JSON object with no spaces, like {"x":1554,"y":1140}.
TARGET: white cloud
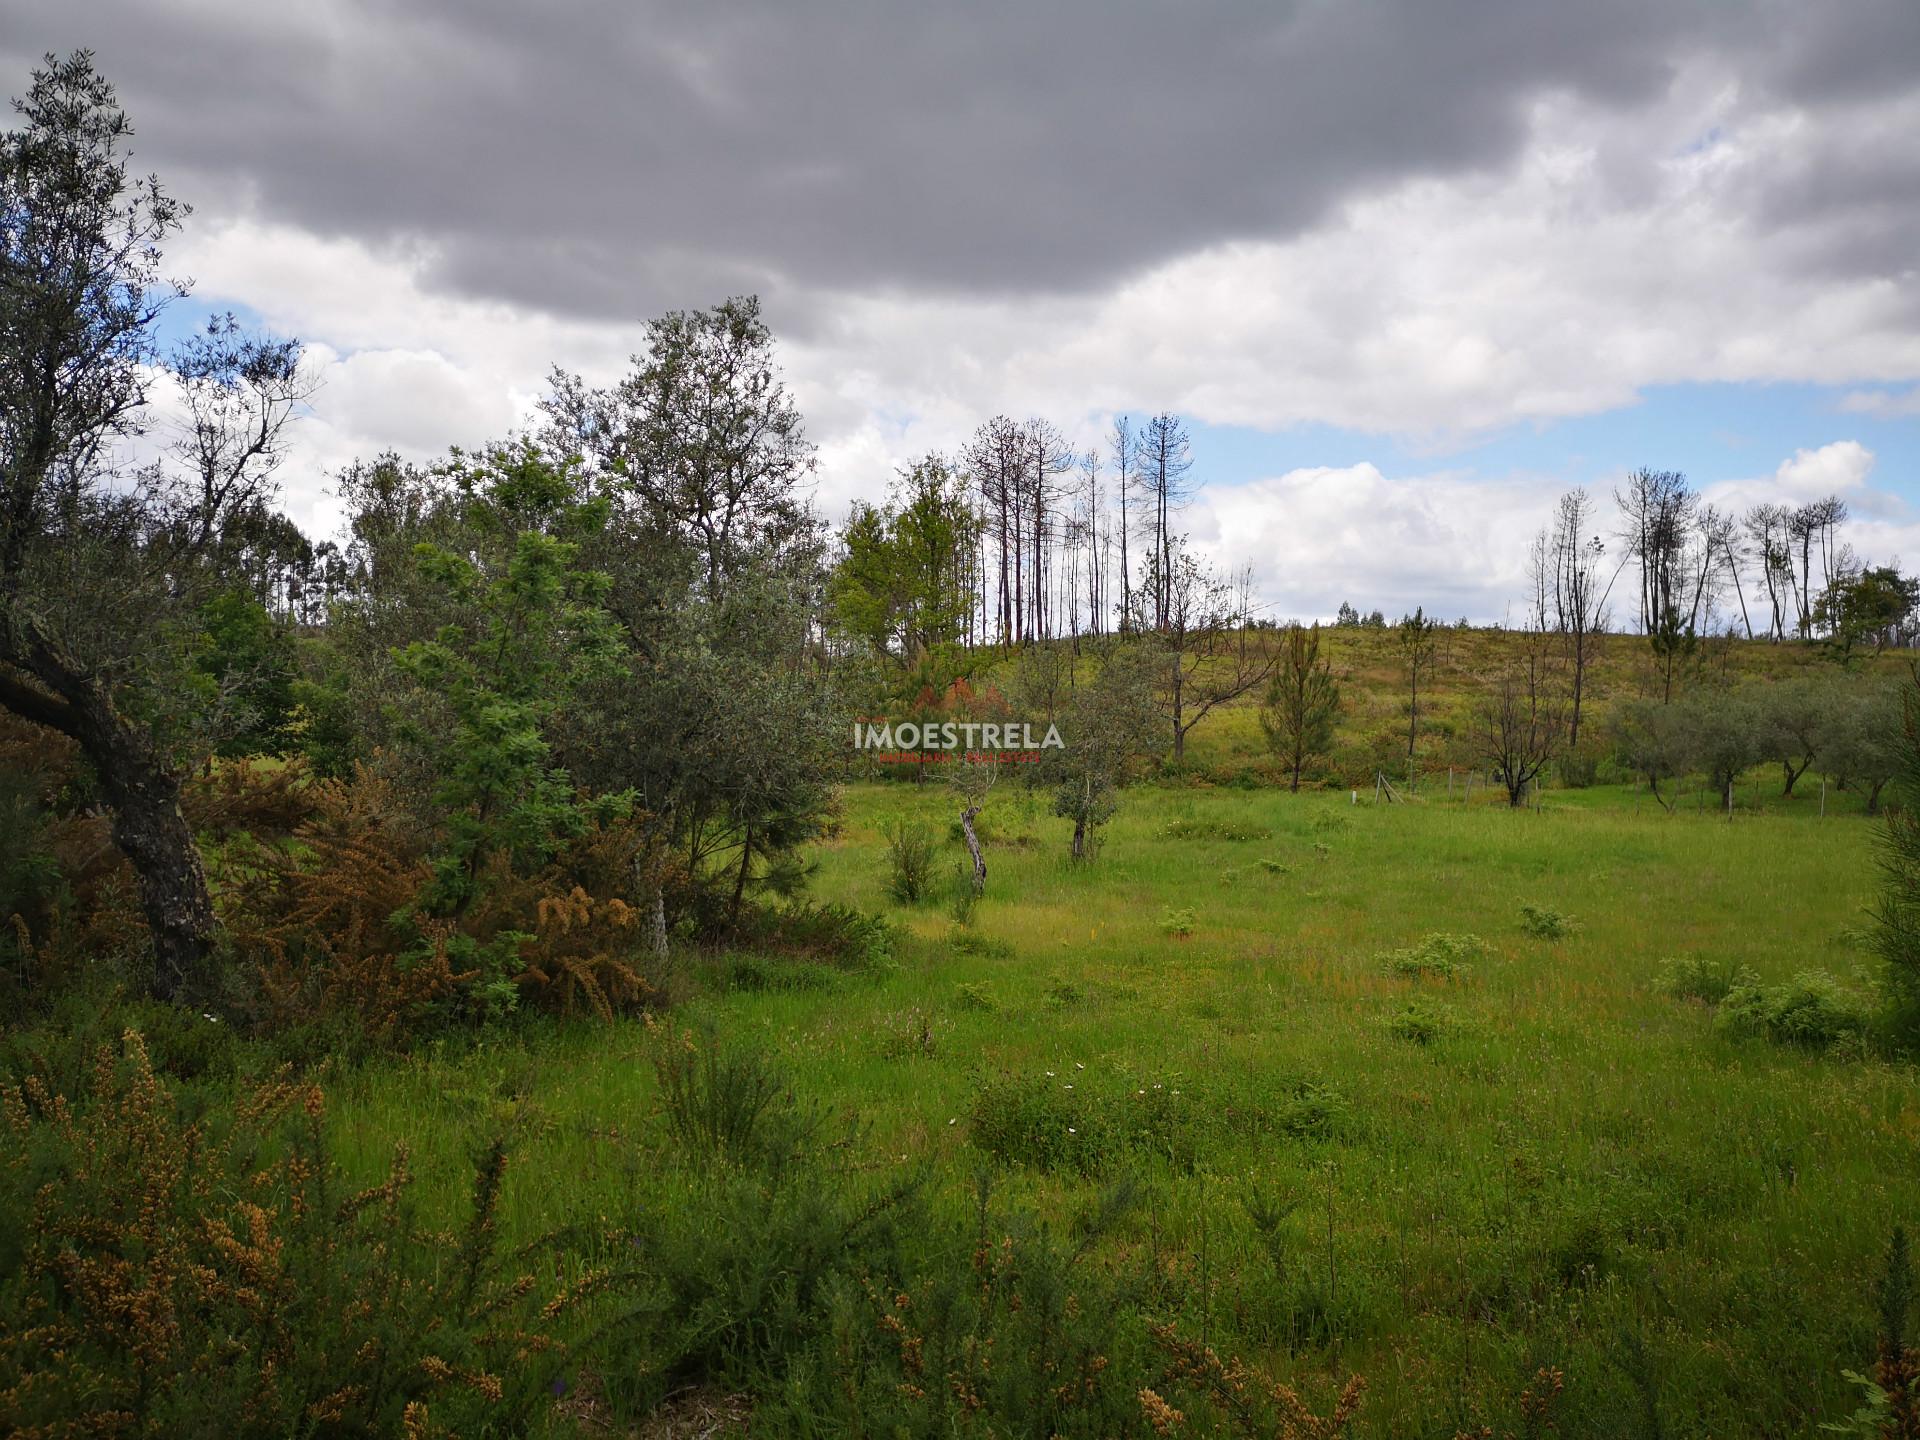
{"x":1315,"y":537}
{"x":1620,"y":252}
{"x":1882,"y":404}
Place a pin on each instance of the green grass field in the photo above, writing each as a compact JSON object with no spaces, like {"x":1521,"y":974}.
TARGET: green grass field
{"x":1541,"y":1161}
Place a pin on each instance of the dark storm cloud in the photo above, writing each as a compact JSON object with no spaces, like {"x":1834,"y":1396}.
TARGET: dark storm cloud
{"x":597,"y":158}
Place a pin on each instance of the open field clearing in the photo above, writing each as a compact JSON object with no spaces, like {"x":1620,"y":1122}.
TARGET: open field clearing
{"x":1538,"y":1160}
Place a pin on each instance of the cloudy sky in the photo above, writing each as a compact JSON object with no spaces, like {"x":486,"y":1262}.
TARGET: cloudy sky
{"x":1409,"y":269}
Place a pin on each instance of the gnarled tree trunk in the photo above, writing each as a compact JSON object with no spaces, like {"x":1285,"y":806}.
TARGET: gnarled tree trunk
{"x":141,"y":789}
{"x":973,"y":849}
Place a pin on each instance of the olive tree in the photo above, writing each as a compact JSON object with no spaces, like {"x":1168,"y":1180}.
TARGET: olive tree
{"x":102,"y":572}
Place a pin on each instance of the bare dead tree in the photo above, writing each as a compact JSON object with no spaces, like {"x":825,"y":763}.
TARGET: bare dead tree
{"x":1163,"y":459}
{"x":1048,"y":458}
{"x":1121,"y":444}
{"x":1520,"y":720}
{"x":1202,"y":667}
{"x":1572,"y":554}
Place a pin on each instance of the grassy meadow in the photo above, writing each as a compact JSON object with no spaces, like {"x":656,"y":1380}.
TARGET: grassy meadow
{"x":1335,"y":1159}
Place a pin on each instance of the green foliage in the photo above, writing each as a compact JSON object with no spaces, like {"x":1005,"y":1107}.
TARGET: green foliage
{"x":1421,"y":1022}
{"x":1302,"y":703}
{"x":531,"y":634}
{"x":910,"y":861}
{"x":1865,"y":609}
{"x":1897,"y":915}
{"x":1177,"y":921}
{"x":1111,"y":724}
{"x":1438,"y":955}
{"x":1702,"y":978}
{"x":729,"y":1106}
{"x":1545,"y":923}
{"x":248,"y":658}
{"x":1030,"y":1338}
{"x":903,"y":583}
{"x":842,"y":935}
{"x":1813,"y":1011}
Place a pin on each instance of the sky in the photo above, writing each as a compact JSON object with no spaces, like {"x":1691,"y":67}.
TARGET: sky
{"x":1407,"y":269}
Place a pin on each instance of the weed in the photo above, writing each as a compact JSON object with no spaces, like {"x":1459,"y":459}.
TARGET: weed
{"x":1813,"y":1011}
{"x":910,"y":857}
{"x":1545,"y":924}
{"x":729,"y":1107}
{"x":1063,"y":993}
{"x":1438,"y":954}
{"x":970,"y":996}
{"x":1702,"y":978}
{"x":1177,"y":922}
{"x":1421,"y":1023}
{"x":986,"y":947}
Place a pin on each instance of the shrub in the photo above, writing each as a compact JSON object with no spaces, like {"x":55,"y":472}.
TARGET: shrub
{"x":1026,"y":1338}
{"x":1420,"y":1023}
{"x":837,"y":934}
{"x":1813,"y":1011}
{"x":1545,"y":924}
{"x":975,"y":998}
{"x":1579,"y":769}
{"x":1177,"y":923}
{"x":972,"y":942}
{"x":175,"y":1277}
{"x":910,"y":855}
{"x":745,"y":1269}
{"x":1310,"y":1111}
{"x":1695,"y":977}
{"x":1438,"y":954}
{"x":728,"y":1107}
{"x":1040,"y":1122}
{"x":962,"y":898}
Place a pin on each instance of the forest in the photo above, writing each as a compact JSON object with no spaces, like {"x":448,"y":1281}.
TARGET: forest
{"x":482,"y":971}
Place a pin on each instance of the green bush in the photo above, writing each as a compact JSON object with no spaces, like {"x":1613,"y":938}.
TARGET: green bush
{"x":1545,"y":924}
{"x":1813,"y":1011}
{"x":1177,"y":922}
{"x":1029,"y":1338}
{"x":729,"y":1107}
{"x":1695,"y":977}
{"x":1438,"y":954}
{"x":744,"y":1270}
{"x":839,"y":934}
{"x":910,"y":857}
{"x":1041,"y":1122}
{"x":1421,"y":1023}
